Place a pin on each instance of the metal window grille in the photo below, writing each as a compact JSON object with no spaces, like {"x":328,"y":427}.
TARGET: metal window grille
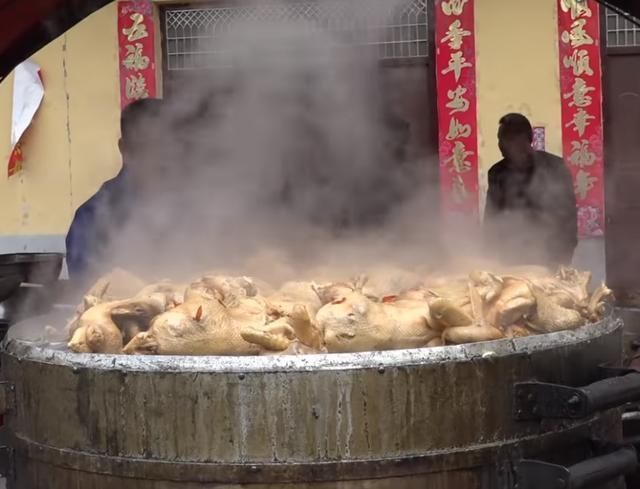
{"x":621,"y":32}
{"x":397,"y":32}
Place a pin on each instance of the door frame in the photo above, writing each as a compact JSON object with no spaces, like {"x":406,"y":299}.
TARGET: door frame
{"x":606,"y":54}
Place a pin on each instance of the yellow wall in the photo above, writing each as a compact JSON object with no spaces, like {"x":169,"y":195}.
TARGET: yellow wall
{"x":517,"y":71}
{"x":71,"y":147}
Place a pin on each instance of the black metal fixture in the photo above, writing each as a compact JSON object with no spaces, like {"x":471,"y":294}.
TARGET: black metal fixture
{"x":616,"y":388}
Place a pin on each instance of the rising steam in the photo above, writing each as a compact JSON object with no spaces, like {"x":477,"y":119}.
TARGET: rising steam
{"x":286,"y":158}
{"x":289,"y":152}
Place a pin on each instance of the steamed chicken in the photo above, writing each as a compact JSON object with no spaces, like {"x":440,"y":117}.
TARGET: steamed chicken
{"x":226,"y":315}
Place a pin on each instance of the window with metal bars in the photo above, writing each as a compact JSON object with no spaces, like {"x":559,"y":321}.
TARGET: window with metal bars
{"x":395,"y":30}
{"x":621,"y":32}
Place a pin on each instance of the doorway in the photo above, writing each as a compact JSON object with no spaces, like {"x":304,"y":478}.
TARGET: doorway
{"x":622,"y":149}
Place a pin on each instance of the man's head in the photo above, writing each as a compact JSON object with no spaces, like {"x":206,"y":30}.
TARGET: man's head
{"x":515,"y":136}
{"x":139,"y":127}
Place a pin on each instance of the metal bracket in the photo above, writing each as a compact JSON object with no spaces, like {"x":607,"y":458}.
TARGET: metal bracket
{"x":536,"y":400}
{"x":534,"y":474}
{"x":7,"y":398}
{"x":607,"y":371}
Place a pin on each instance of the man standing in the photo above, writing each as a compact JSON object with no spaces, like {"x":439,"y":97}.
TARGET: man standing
{"x":98,"y":218}
{"x":530,"y":216}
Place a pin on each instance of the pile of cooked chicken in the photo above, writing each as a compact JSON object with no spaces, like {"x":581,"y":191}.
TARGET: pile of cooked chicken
{"x":227,"y":315}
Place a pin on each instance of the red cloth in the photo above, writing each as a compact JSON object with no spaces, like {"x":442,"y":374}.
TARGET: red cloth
{"x":15,"y":160}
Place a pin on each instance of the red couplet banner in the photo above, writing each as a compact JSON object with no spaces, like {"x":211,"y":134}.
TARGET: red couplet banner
{"x":136,"y":41}
{"x":456,"y":86}
{"x":581,"y":98}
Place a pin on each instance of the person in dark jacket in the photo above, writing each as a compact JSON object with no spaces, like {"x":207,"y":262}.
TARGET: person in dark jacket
{"x":96,"y":220}
{"x":530,"y":215}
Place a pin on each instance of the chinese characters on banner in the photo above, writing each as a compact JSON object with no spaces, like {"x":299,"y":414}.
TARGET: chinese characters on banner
{"x":136,"y":50}
{"x":581,"y":98}
{"x":456,"y":82}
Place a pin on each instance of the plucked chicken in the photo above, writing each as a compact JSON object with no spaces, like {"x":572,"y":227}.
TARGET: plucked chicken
{"x":353,"y":321}
{"x":228,"y":315}
{"x":104,"y":327}
{"x":216,"y":316}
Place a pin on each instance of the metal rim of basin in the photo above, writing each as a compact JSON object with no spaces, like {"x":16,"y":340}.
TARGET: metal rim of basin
{"x":42,"y":352}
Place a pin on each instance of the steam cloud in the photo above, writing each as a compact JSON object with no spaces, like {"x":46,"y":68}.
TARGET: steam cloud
{"x":285,"y":159}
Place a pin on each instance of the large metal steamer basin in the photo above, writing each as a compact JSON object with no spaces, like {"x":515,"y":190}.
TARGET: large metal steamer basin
{"x":489,"y":415}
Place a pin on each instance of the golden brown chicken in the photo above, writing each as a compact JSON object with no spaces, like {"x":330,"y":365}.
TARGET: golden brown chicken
{"x":550,"y":316}
{"x":334,"y":291}
{"x":275,"y":337}
{"x":517,"y":331}
{"x":291,"y":294}
{"x":202,"y":325}
{"x":307,"y":332}
{"x":97,"y":329}
{"x":93,"y":297}
{"x":479,"y":329}
{"x":598,"y":301}
{"x":511,"y":305}
{"x":294,"y":332}
{"x":95,"y":332}
{"x":135,"y":315}
{"x":120,"y":285}
{"x":455,"y":290}
{"x":235,"y":315}
{"x":130,"y":315}
{"x":489,"y":286}
{"x":356,"y":323}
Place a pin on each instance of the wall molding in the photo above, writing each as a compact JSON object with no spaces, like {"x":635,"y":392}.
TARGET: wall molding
{"x":32,"y":243}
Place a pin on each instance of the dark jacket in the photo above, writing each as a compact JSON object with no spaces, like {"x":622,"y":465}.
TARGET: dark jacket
{"x":531,"y":215}
{"x":94,"y":223}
